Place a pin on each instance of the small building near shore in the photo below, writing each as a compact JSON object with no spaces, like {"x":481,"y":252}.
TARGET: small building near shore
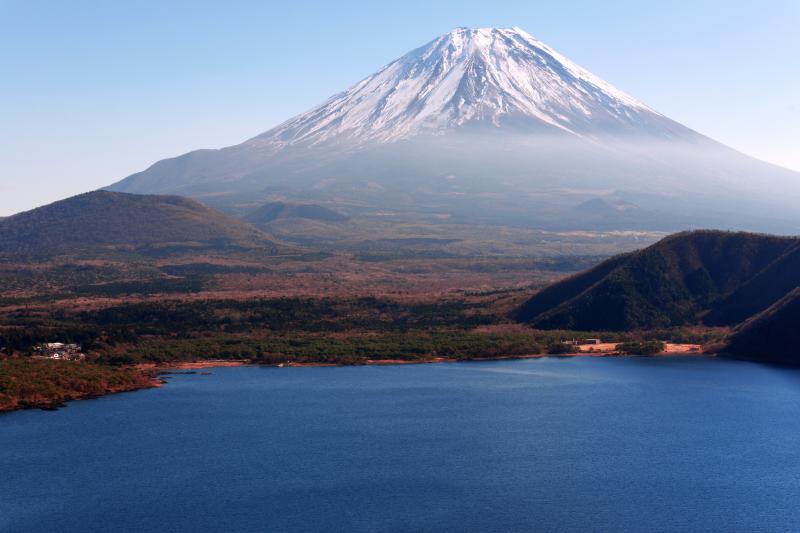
{"x":59,"y":351}
{"x":581,"y":342}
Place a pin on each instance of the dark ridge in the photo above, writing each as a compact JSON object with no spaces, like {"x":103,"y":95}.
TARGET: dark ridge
{"x":571,"y":287}
{"x":277,"y":210}
{"x":767,"y":287}
{"x":772,"y":335}
{"x":677,"y":281}
{"x":104,"y":219}
{"x":606,"y":206}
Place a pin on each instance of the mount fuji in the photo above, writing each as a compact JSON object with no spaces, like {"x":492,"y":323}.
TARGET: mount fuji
{"x":489,"y":126}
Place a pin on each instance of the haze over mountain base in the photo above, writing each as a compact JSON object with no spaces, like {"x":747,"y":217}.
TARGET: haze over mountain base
{"x":424,"y":214}
{"x":489,"y":126}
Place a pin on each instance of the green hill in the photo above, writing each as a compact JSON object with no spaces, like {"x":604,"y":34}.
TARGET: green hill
{"x":772,"y":335}
{"x":759,"y":293}
{"x":112,"y":220}
{"x":687,"y":278}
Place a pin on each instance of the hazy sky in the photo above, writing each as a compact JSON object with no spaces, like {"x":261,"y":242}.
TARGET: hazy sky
{"x":91,"y":92}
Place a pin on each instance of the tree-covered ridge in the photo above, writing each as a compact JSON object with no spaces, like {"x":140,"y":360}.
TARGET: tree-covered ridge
{"x":772,"y":335}
{"x":103,"y":219}
{"x":760,"y":292}
{"x":47,"y":383}
{"x":686,"y":278}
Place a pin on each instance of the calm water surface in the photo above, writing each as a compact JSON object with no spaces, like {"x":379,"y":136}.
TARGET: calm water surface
{"x":578,"y":444}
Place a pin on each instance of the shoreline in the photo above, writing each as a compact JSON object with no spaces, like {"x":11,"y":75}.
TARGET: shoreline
{"x":150,"y":373}
{"x":144,"y":380}
{"x":63,"y":402}
{"x":671,"y":350}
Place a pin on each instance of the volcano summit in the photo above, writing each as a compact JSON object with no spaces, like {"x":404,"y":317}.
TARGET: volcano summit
{"x":489,"y":126}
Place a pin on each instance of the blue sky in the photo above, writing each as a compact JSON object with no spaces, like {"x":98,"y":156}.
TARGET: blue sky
{"x":93,"y":91}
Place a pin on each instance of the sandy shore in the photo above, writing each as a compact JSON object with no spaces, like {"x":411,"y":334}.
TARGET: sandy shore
{"x":670,"y":349}
{"x":683,"y":349}
{"x":192,"y":365}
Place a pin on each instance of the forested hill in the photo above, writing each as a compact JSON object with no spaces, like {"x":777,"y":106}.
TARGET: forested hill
{"x":279,"y":210}
{"x":711,"y":277}
{"x":772,"y":335}
{"x":104,"y":219}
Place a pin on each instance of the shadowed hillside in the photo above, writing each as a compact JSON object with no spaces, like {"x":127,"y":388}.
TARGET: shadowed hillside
{"x":766,"y":288}
{"x":772,"y":335}
{"x":104,"y":219}
{"x":677,"y":281}
{"x":277,"y":210}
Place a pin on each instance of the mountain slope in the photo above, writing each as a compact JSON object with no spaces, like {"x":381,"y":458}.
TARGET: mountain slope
{"x":278,"y":210}
{"x":106,"y":220}
{"x":674,"y":282}
{"x":772,"y":335}
{"x":759,"y":293}
{"x":472,"y":76}
{"x":489,"y":125}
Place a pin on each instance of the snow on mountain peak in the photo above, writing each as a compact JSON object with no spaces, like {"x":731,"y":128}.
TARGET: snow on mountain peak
{"x":484,"y":76}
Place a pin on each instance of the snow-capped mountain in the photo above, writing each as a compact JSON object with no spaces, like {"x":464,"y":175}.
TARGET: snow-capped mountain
{"x":485,"y":75}
{"x":488,"y":124}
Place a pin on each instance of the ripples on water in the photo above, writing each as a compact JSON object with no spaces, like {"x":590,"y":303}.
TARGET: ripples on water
{"x":577,"y":444}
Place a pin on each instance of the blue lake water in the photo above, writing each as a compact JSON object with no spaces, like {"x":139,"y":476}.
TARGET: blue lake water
{"x":579,"y":444}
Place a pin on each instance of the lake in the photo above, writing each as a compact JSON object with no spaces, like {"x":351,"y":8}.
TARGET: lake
{"x":572,"y":444}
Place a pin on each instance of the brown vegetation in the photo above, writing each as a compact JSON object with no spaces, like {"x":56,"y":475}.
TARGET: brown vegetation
{"x":47,"y":384}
